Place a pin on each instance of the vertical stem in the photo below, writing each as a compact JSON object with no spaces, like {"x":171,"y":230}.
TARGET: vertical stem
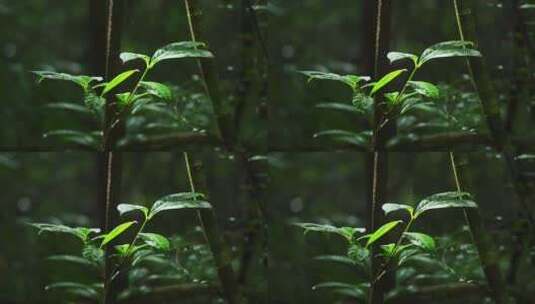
{"x":207,"y":68}
{"x":487,"y":252}
{"x":379,"y":176}
{"x":220,"y":250}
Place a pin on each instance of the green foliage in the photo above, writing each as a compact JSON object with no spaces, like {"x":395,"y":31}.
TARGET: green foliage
{"x":347,"y":232}
{"x":381,"y":231}
{"x":386,"y":80}
{"x":131,"y":103}
{"x":143,"y":250}
{"x":445,"y":200}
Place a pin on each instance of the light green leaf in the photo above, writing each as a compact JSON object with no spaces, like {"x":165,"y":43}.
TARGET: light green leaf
{"x":389,"y":208}
{"x":346,"y":232}
{"x":155,"y":240}
{"x":118,"y":80}
{"x":379,"y":233}
{"x":421,"y":240}
{"x":386,"y":80}
{"x":185,"y":200}
{"x":455,"y":48}
{"x":157,"y":89}
{"x":116,"y":232}
{"x":445,"y":200}
{"x":396,"y":56}
{"x":127,"y":56}
{"x":126,"y":208}
{"x":425,"y":88}
{"x":184,"y":49}
{"x":351,"y":80}
{"x":82,"y":80}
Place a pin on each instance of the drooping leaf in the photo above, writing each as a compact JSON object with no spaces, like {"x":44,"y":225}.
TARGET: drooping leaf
{"x":445,"y":200}
{"x":77,"y":137}
{"x":116,"y":232}
{"x":361,"y":139}
{"x":128,"y":56}
{"x":71,"y":259}
{"x":386,"y":80}
{"x":68,"y":106}
{"x":82,"y":80}
{"x":390,"y":207}
{"x":155,"y":240}
{"x":77,"y":289}
{"x":425,"y":88}
{"x":346,"y":232}
{"x":184,"y":49}
{"x":126,"y":208}
{"x":157,"y":89}
{"x":446,"y":49}
{"x":351,"y":80}
{"x":336,"y":259}
{"x":396,"y":56}
{"x":186,"y":200}
{"x":117,"y":80}
{"x":421,"y":240}
{"x":338,"y":107}
{"x":381,"y":231}
{"x":80,"y":232}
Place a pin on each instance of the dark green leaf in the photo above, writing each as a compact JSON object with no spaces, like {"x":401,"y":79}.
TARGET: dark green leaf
{"x":157,"y":89}
{"x":178,"y":50}
{"x":80,"y":232}
{"x":389,"y":207}
{"x":336,"y":259}
{"x":346,"y":232}
{"x":351,"y":80}
{"x":127,"y":56}
{"x":155,"y":240}
{"x":81,"y":80}
{"x":186,"y":200}
{"x":67,"y":106}
{"x":338,"y":106}
{"x":425,"y":88}
{"x":448,"y":49}
{"x":445,"y":200}
{"x":396,"y":56}
{"x":421,"y":240}
{"x":126,"y":208}
{"x":77,"y":289}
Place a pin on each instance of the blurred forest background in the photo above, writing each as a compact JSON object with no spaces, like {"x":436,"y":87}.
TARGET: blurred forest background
{"x":43,"y":182}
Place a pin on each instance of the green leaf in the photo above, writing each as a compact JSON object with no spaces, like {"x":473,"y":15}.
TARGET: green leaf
{"x":184,"y":49}
{"x":118,"y":80}
{"x":157,"y":89}
{"x":396,"y":56}
{"x":81,"y":80}
{"x":386,"y":80}
{"x":379,"y":233}
{"x":186,"y":200}
{"x":425,"y":88}
{"x":351,"y":80}
{"x":126,"y":208}
{"x":77,"y":289}
{"x":94,"y":102}
{"x":361,"y":139}
{"x":338,"y":107}
{"x":336,"y":259}
{"x":80,"y":138}
{"x":333,"y":285}
{"x":455,"y":48}
{"x":80,"y":232}
{"x":155,"y":240}
{"x":93,"y":254}
{"x":346,"y":232}
{"x":358,"y":254}
{"x":68,"y":106}
{"x":388,"y":249}
{"x":445,"y":200}
{"x":389,"y":208}
{"x":71,"y":259}
{"x":127,"y":56}
{"x":116,"y":232}
{"x":421,"y":240}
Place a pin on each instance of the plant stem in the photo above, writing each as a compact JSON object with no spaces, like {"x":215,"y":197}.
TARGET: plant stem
{"x":483,"y":242}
